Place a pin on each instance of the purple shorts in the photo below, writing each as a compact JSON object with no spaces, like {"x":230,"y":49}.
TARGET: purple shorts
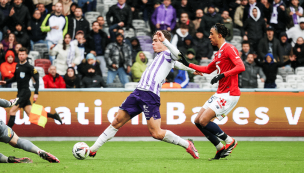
{"x":142,"y":101}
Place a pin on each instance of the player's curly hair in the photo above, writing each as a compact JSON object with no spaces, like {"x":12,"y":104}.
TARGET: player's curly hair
{"x":221,"y":29}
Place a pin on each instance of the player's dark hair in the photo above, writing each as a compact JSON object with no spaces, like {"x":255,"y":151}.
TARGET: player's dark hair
{"x":23,"y":49}
{"x":166,"y":33}
{"x":245,"y":42}
{"x":221,"y":29}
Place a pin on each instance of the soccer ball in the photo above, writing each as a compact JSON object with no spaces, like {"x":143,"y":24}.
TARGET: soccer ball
{"x":81,"y":150}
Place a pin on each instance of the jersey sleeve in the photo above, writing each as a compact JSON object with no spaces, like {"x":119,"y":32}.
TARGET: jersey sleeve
{"x":233,"y":55}
{"x":35,"y":75}
{"x":205,"y":69}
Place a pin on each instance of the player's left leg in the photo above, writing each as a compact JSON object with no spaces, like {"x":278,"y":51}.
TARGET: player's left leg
{"x":168,"y":136}
{"x":5,"y":103}
{"x":13,"y":159}
{"x":55,"y":116}
{"x":12,"y":118}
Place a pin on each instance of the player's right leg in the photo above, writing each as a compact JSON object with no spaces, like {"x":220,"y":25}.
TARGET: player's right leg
{"x":120,"y":119}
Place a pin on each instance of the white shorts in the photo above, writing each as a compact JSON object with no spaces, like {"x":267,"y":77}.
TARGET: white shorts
{"x":221,"y":104}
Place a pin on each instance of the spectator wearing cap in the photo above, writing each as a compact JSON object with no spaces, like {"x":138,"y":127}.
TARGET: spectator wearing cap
{"x":198,"y":18}
{"x":285,"y":46}
{"x":184,"y":20}
{"x":248,"y":78}
{"x":295,"y":32}
{"x":181,"y":34}
{"x":53,"y":79}
{"x":239,"y":14}
{"x":78,"y":23}
{"x":118,"y":57}
{"x":294,"y":13}
{"x":22,"y":37}
{"x":228,"y":24}
{"x":120,"y":12}
{"x":188,"y":43}
{"x":36,"y":35}
{"x":210,"y":19}
{"x":92,"y":61}
{"x":203,"y":45}
{"x":71,"y":79}
{"x":278,"y":17}
{"x":270,"y":44}
{"x":96,"y":44}
{"x":139,"y":66}
{"x":8,"y":67}
{"x":254,"y":27}
{"x":67,"y":54}
{"x":92,"y":80}
{"x":164,"y":16}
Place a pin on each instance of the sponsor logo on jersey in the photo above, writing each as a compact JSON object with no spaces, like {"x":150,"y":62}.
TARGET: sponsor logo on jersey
{"x":22,"y":75}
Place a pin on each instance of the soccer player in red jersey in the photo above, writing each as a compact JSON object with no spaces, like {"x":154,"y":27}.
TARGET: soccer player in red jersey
{"x":228,"y":65}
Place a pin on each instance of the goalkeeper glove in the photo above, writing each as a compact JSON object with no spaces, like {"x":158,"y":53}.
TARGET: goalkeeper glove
{"x":183,"y":59}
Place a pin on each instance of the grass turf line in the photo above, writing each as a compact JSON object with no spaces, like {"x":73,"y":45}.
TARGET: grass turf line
{"x":162,"y":157}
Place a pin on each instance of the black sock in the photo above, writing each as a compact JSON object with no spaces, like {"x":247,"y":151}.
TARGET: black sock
{"x":216,"y":130}
{"x":11,"y":121}
{"x":212,"y":138}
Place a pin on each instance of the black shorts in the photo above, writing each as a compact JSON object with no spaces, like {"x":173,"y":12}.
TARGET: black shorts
{"x":24,"y":96}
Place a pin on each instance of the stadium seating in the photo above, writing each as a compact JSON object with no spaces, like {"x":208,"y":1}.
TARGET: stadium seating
{"x":43,"y":63}
{"x":139,"y":24}
{"x":193,"y":85}
{"x":92,"y":14}
{"x":131,"y":85}
{"x":14,"y":85}
{"x":110,"y":2}
{"x":115,"y":85}
{"x":41,"y":48}
{"x":40,"y":71}
{"x":130,"y":33}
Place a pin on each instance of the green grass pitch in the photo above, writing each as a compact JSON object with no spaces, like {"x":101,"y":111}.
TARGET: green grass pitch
{"x":153,"y":157}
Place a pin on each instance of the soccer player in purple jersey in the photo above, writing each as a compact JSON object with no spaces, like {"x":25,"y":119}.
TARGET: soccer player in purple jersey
{"x":146,"y":98}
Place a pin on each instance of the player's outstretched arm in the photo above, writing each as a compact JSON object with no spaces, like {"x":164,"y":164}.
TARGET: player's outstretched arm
{"x":181,"y":66}
{"x":172,"y":48}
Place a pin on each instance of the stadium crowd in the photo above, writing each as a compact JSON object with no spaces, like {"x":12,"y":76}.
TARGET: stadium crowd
{"x":107,"y":43}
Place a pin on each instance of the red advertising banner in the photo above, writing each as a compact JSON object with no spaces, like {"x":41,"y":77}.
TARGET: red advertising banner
{"x":88,"y":113}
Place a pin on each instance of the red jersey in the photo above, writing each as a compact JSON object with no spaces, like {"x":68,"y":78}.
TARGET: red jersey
{"x":227,"y":61}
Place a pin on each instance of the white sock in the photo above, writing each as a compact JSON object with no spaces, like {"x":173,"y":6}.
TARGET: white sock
{"x":108,"y":134}
{"x":228,"y":140}
{"x":219,"y":146}
{"x":172,"y":138}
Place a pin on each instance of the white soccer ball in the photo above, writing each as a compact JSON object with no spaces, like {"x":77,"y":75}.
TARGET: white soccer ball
{"x":81,"y":150}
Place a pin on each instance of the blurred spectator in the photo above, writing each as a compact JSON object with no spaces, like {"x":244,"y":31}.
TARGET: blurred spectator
{"x":53,"y":79}
{"x":285,"y":46}
{"x":203,"y":46}
{"x":46,"y":4}
{"x":71,"y":16}
{"x":188,"y":43}
{"x":135,"y":48}
{"x":89,"y":5}
{"x":2,"y":54}
{"x":9,"y":66}
{"x":120,"y":12}
{"x":267,"y":10}
{"x":181,"y":77}
{"x":91,"y":61}
{"x":198,"y":18}
{"x":81,"y":42}
{"x":254,"y":28}
{"x":78,"y":23}
{"x":9,"y":42}
{"x":43,"y":11}
{"x":134,"y":8}
{"x":71,"y":79}
{"x":181,"y":33}
{"x":67,"y":54}
{"x":101,"y":22}
{"x":249,"y":7}
{"x":183,"y":7}
{"x":96,"y":44}
{"x":16,"y":51}
{"x":146,"y":6}
{"x":22,"y":37}
{"x":270,"y":44}
{"x":278,"y":17}
{"x":298,"y":51}
{"x":210,"y":19}
{"x":5,"y":8}
{"x":118,"y":56}
{"x":126,"y":40}
{"x":239,"y":14}
{"x":184,"y":20}
{"x":294,"y":13}
{"x":19,"y":13}
{"x":56,"y":26}
{"x":36,"y":35}
{"x":245,"y":50}
{"x":232,"y":7}
{"x":248,"y":78}
{"x":164,"y":16}
{"x":139,"y":66}
{"x":228,"y":24}
{"x":66,"y":7}
{"x":295,"y":32}
{"x":270,"y":69}
{"x":92,"y":80}
{"x":170,"y":84}
{"x":191,"y":59}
